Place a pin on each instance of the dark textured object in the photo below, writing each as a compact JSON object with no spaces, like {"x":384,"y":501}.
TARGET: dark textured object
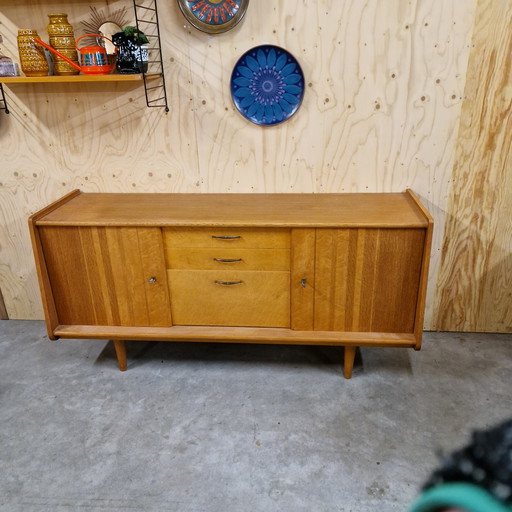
{"x":131,"y":57}
{"x":485,"y":462}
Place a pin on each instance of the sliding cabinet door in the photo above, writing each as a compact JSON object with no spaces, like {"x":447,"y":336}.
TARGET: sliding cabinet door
{"x":107,"y":275}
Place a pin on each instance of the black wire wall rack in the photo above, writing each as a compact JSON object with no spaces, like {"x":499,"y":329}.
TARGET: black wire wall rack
{"x":146,"y":20}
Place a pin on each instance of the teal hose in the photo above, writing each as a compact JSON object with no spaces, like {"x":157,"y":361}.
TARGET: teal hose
{"x":464,"y":496}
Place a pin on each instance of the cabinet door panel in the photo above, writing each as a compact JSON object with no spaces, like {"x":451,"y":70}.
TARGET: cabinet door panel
{"x":103,"y":276}
{"x":151,"y":250}
{"x":303,"y":279}
{"x":367,"y":280}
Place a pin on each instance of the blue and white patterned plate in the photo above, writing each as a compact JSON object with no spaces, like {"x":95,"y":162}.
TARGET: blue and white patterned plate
{"x":267,"y":85}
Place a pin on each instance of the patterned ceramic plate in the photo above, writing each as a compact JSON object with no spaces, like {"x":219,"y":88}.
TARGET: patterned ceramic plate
{"x":213,"y":16}
{"x":267,"y":85}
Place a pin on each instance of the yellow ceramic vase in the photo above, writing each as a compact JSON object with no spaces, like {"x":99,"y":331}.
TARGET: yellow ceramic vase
{"x":32,"y":57}
{"x":62,"y":38}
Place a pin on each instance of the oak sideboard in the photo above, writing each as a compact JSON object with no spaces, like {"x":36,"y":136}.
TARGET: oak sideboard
{"x":310,"y":269}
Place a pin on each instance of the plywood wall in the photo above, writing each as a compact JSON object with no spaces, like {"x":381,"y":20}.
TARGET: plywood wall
{"x":385,"y":86}
{"x":474,"y":288}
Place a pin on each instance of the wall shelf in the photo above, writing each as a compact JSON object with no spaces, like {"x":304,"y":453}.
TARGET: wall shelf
{"x":146,"y":20}
{"x":76,"y":79}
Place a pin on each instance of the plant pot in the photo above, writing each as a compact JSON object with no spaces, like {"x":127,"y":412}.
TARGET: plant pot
{"x":131,"y":58}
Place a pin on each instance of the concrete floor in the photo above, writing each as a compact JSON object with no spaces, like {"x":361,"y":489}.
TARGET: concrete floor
{"x":210,"y":427}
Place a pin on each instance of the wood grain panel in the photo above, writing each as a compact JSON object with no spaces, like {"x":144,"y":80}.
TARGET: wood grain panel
{"x":156,"y":294}
{"x":213,"y":237}
{"x":98,"y":270}
{"x":328,"y":280}
{"x":260,"y":299}
{"x":424,"y":272}
{"x":61,"y":265}
{"x":368,"y":279}
{"x":303,"y":262}
{"x":384,"y":82}
{"x":474,"y":290}
{"x":100,"y":275}
{"x":238,"y":213}
{"x":234,"y":334}
{"x":218,"y":259}
{"x":3,"y":311}
{"x":129,"y":276}
{"x":397,"y":279}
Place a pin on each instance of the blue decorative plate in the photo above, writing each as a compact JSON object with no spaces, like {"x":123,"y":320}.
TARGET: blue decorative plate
{"x":267,"y":85}
{"x":213,"y":16}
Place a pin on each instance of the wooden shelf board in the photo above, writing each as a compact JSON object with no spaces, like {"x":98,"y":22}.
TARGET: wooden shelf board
{"x":265,"y":335}
{"x":75,"y":78}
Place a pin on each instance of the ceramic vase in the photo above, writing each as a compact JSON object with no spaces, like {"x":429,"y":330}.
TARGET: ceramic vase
{"x":62,"y":38}
{"x":32,"y":57}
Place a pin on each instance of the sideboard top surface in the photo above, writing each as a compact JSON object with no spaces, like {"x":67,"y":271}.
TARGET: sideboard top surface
{"x":393,"y":210}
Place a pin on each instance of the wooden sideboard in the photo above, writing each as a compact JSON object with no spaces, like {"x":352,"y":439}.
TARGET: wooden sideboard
{"x":311,"y":269}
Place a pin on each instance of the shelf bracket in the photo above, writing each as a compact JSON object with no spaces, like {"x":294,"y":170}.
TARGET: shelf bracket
{"x":146,"y":20}
{"x":3,"y":101}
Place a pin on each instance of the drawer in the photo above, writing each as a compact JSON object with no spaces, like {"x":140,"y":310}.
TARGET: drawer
{"x":259,"y":299}
{"x":250,"y":238}
{"x":227,"y":259}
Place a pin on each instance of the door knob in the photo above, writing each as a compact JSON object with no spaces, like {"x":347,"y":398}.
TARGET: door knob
{"x":152,"y":280}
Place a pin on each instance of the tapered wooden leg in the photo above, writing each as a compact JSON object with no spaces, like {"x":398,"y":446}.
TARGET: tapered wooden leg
{"x":120,"y":346}
{"x":348,"y":361}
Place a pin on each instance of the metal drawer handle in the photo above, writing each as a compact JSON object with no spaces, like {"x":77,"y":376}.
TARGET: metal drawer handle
{"x":223,"y":260}
{"x":228,"y":283}
{"x":152,"y":280}
{"x":226,"y":237}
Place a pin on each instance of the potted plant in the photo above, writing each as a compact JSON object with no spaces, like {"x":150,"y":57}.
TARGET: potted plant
{"x":132,"y":54}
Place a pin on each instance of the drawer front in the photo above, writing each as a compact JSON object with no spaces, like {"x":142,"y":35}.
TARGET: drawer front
{"x":188,"y":258}
{"x":258,"y":299}
{"x":250,"y":238}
